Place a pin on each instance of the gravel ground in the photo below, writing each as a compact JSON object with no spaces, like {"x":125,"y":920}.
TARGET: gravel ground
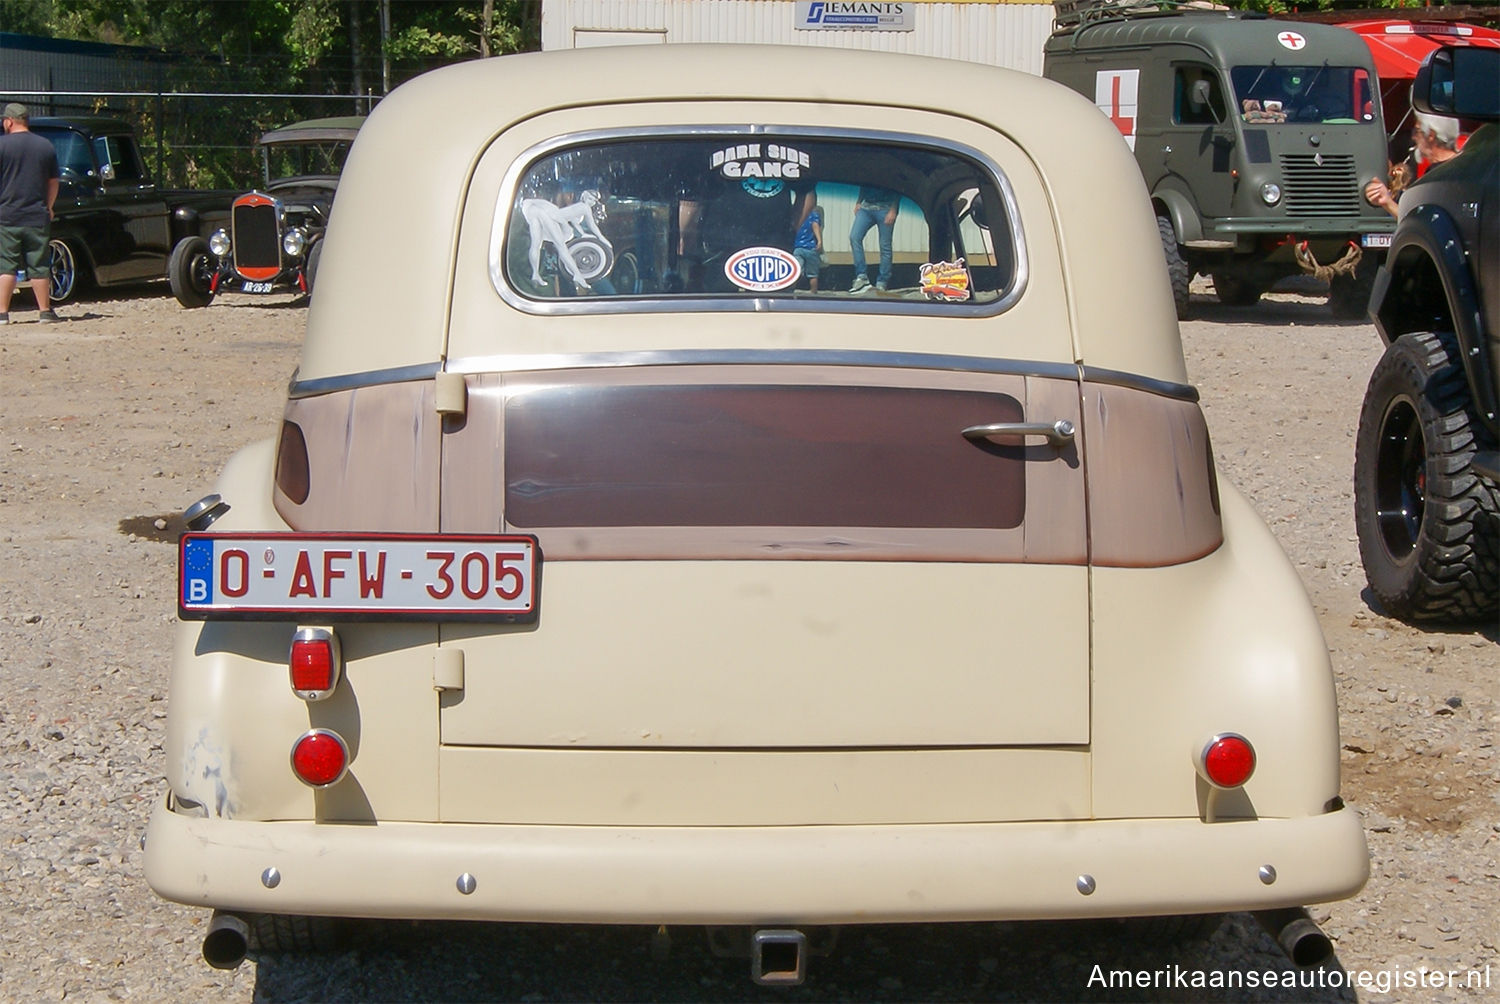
{"x":120,"y":417}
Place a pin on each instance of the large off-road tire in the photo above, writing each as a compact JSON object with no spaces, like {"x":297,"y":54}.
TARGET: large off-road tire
{"x":273,"y":933}
{"x":1349,"y":295}
{"x":1177,"y":267}
{"x":66,"y":277}
{"x":190,"y":271}
{"x":1236,"y":290}
{"x":1429,"y":526}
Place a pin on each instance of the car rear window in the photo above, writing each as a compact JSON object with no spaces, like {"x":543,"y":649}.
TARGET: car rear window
{"x":760,"y":215}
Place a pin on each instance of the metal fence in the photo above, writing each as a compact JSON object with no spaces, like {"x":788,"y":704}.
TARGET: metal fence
{"x":197,"y":117}
{"x":197,"y":139}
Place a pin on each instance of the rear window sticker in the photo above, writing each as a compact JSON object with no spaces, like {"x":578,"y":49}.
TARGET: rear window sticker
{"x":574,"y":235}
{"x":762,"y":269}
{"x":944,"y":280}
{"x":746,"y":160}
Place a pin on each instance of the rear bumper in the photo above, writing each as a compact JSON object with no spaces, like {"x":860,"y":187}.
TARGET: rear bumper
{"x":749,"y":875}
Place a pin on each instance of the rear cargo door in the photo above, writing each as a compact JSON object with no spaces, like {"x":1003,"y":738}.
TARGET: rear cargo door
{"x":769,"y":527}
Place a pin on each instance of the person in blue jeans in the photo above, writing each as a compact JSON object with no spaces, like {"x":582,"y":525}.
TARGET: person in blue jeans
{"x":876,"y":207}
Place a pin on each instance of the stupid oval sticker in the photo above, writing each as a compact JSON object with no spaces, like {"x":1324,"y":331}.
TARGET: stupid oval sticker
{"x":762,"y":269}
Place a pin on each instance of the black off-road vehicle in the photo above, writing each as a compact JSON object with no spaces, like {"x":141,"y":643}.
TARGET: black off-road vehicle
{"x":1426,"y":467}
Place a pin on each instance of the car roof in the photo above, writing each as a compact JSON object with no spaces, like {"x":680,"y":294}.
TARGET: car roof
{"x":433,"y":128}
{"x":89,"y":125}
{"x":342,"y":127}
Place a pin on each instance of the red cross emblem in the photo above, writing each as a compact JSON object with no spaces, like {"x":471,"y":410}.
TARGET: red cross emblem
{"x":1291,"y":40}
{"x":1123,"y":122}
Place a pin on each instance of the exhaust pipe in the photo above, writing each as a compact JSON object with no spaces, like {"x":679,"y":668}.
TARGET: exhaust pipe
{"x":1299,"y":937}
{"x":778,"y":957}
{"x":227,"y":940}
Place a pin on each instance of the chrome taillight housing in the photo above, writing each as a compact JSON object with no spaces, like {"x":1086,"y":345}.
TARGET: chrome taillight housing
{"x":314,"y":663}
{"x":320,"y":758}
{"x":1226,"y":760}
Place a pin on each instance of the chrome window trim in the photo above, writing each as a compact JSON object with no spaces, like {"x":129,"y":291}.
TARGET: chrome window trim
{"x":522,"y":363}
{"x":510,"y":184}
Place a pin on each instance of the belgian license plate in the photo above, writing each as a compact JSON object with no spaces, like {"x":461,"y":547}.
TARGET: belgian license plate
{"x":1375,"y":240}
{"x":276,"y":576}
{"x":257,"y":287}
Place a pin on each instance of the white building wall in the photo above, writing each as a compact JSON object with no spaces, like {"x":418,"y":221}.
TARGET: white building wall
{"x":1002,"y":34}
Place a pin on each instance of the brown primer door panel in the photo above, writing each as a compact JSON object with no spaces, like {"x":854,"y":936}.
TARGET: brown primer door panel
{"x":774,"y":557}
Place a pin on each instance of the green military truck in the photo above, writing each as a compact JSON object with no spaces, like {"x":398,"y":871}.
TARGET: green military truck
{"x":1256,"y":138}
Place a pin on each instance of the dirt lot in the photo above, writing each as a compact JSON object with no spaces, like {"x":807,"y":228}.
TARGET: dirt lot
{"x":122,"y":416}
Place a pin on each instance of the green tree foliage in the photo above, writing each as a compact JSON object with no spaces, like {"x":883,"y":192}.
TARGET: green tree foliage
{"x":269,"y":62}
{"x":1331,"y":6}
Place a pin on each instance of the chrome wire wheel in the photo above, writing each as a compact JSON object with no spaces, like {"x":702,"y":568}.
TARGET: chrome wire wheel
{"x":64,"y":276}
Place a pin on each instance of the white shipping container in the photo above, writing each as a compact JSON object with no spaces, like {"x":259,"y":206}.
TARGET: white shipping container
{"x":996,"y":32}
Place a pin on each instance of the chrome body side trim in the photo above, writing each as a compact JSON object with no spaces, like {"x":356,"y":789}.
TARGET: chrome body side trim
{"x":1151,"y":385}
{"x":761,"y":357}
{"x":522,"y":363}
{"x":370,"y":378}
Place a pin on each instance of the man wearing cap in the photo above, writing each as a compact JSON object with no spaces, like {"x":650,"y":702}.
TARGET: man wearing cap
{"x":28,"y":187}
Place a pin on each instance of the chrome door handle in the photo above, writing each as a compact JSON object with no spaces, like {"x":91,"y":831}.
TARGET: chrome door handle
{"x":1058,"y":433}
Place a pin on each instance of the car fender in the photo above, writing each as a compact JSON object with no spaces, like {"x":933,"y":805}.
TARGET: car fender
{"x":186,"y":222}
{"x":234,"y":715}
{"x":246,"y":484}
{"x":1226,"y":643}
{"x":1428,"y":237}
{"x":1179,"y":208}
{"x":83,"y":255}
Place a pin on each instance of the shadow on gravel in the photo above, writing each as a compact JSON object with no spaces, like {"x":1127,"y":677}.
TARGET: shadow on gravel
{"x":1277,"y":313}
{"x":65,"y":314}
{"x":1307,"y":305}
{"x":1488,"y":631}
{"x":231,"y":301}
{"x":145,"y":528}
{"x":1057,"y":961}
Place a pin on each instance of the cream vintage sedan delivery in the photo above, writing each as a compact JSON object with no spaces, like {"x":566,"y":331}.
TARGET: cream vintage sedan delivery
{"x":607,"y":568}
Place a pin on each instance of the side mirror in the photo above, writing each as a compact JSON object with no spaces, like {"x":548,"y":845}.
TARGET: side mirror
{"x":1461,"y":82}
{"x":107,"y":172}
{"x":1200,"y":96}
{"x":977,"y":212}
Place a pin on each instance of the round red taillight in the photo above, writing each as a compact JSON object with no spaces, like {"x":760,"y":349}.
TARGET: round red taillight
{"x":320,"y":757}
{"x":1228,"y":760}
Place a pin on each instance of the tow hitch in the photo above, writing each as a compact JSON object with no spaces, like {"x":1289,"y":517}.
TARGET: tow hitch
{"x":778,"y":955}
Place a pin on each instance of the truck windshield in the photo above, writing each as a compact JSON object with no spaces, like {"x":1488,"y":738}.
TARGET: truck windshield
{"x":73,"y":158}
{"x":298,"y":160}
{"x":1275,"y":94}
